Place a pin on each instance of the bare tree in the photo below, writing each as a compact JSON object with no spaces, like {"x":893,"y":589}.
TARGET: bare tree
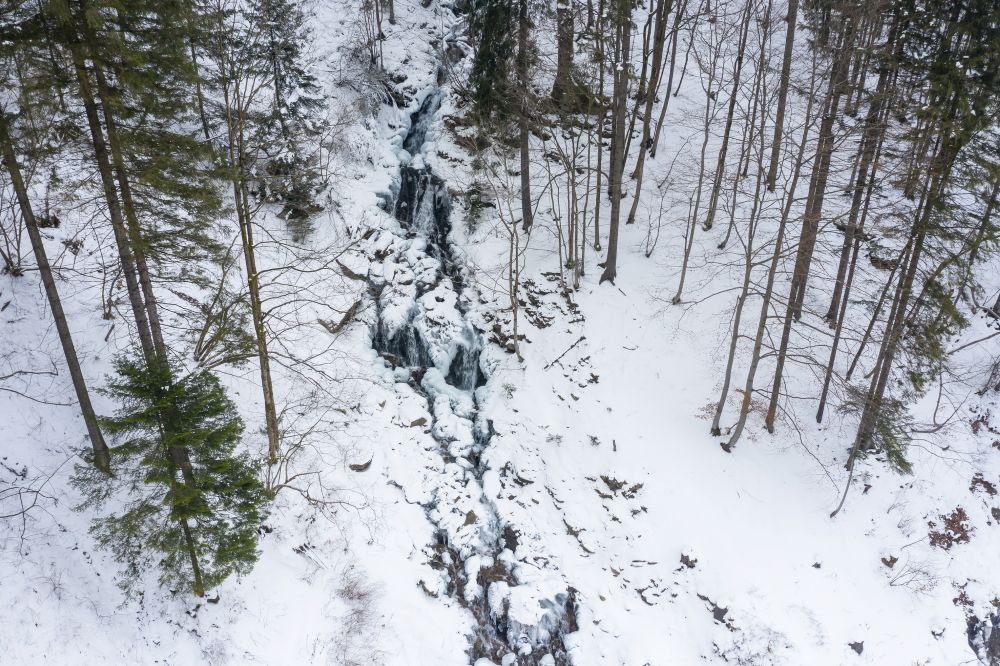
{"x":622,"y":24}
{"x":786,"y":68}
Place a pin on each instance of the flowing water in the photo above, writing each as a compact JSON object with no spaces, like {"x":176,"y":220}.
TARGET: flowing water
{"x":423,"y":328}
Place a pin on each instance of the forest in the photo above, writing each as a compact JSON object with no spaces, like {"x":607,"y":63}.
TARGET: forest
{"x":500,"y":332}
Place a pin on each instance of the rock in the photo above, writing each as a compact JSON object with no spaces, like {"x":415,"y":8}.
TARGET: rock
{"x":984,"y":638}
{"x":688,"y":561}
{"x":362,"y":466}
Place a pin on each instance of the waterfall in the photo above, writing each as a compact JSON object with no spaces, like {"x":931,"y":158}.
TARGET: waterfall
{"x":423,"y":327}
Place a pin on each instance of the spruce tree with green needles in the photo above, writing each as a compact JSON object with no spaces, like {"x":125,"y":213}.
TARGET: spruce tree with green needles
{"x":949,"y":66}
{"x":184,"y":499}
{"x":290,"y":132}
{"x":493,"y":31}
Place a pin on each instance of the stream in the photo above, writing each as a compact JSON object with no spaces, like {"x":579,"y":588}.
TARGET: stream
{"x":423,"y":332}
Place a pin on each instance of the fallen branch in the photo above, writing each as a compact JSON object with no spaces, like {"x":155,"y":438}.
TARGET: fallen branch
{"x":344,"y":321}
{"x":348,"y":273}
{"x":582,"y":338}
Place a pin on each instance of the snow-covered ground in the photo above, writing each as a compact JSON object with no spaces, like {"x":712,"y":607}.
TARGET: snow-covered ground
{"x":600,"y":474}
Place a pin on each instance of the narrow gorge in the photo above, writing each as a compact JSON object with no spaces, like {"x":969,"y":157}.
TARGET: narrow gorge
{"x":422,"y":292}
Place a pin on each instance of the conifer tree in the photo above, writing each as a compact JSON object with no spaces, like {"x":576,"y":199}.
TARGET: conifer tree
{"x":290,"y":132}
{"x":135,"y":81}
{"x":186,"y":501}
{"x":493,"y":25}
{"x":950,"y":64}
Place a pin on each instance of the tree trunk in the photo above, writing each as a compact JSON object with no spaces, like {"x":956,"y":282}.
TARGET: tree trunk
{"x":624,"y":30}
{"x":871,"y":142}
{"x":674,"y":38}
{"x":821,"y":169}
{"x":875,"y":313}
{"x":887,"y":352}
{"x":114,"y":208}
{"x":133,"y":229}
{"x":720,"y":166}
{"x":759,"y":92}
{"x":855,"y":239}
{"x":602,"y":116}
{"x":939,"y":170}
{"x":746,"y":146}
{"x":772,"y":273}
{"x":199,"y":93}
{"x":102,"y":456}
{"x":199,"y":585}
{"x":659,"y":34}
{"x":564,"y":57}
{"x":810,"y":221}
{"x":786,"y":68}
{"x":695,"y":206}
{"x":235,"y":110}
{"x":524,"y":136}
{"x":982,"y":233}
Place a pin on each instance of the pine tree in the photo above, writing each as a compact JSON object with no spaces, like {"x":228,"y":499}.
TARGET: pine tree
{"x":190,"y":504}
{"x":290,"y":132}
{"x":145,"y":80}
{"x":950,"y":64}
{"x":493,"y":27}
{"x":135,"y":79}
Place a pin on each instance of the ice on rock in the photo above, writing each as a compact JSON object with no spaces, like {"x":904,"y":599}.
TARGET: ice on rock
{"x":458,"y":450}
{"x":536,"y":611}
{"x":498,"y":599}
{"x":460,"y":402}
{"x":429,"y":329}
{"x":473,"y":565}
{"x":441,"y":325}
{"x":448,"y":427}
{"x":411,"y":408}
{"x":382,"y":242}
{"x":389,"y":271}
{"x":396,"y":310}
{"x":491,"y":482}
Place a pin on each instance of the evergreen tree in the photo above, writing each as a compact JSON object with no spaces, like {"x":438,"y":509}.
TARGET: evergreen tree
{"x":146,"y":81}
{"x":950,"y":65}
{"x":187,"y":501}
{"x":289,"y":133}
{"x":493,"y":26}
{"x":136,"y":82}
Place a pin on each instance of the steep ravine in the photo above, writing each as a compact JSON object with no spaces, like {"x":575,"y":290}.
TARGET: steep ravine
{"x":422,"y":331}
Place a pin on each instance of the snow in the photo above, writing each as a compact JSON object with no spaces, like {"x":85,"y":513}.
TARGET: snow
{"x":601,"y":463}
